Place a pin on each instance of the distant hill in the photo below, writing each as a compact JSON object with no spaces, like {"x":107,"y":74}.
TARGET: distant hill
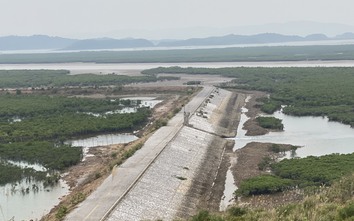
{"x":232,"y":39}
{"x":251,"y":39}
{"x":33,"y":42}
{"x":316,"y":37}
{"x":347,"y":35}
{"x":108,"y":43}
{"x":43,"y":42}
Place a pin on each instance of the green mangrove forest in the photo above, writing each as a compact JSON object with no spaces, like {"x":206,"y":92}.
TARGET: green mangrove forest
{"x":299,"y":172}
{"x":62,"y":78}
{"x":264,"y":53}
{"x":304,"y":91}
{"x":34,"y":127}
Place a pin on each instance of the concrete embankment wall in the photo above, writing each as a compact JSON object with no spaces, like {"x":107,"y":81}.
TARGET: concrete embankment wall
{"x":161,"y":191}
{"x":190,"y":172}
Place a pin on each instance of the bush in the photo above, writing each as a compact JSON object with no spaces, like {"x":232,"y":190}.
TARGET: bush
{"x":77,"y":198}
{"x":265,"y":163}
{"x":237,"y":211}
{"x":346,"y":212}
{"x":206,"y":216}
{"x":270,"y":123}
{"x":270,"y":106}
{"x":315,"y":170}
{"x":62,"y":211}
{"x":264,"y":184}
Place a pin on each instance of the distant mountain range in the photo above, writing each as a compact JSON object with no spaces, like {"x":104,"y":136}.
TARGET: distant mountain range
{"x":43,"y":42}
{"x":35,"y":42}
{"x":252,"y":39}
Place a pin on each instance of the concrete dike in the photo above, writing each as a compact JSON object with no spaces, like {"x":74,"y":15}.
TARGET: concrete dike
{"x":177,"y":172}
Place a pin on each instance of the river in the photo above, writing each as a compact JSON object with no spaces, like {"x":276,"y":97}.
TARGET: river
{"x":155,"y":48}
{"x":78,"y":68}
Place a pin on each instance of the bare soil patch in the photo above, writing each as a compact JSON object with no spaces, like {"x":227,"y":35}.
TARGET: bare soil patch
{"x":252,"y":127}
{"x":246,"y":167}
{"x":249,"y":157}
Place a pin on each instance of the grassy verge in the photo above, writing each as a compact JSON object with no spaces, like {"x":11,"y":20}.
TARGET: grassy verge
{"x":304,"y":172}
{"x":333,"y":203}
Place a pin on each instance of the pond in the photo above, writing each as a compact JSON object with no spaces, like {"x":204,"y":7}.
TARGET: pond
{"x":101,"y":140}
{"x":148,"y":102}
{"x":316,"y":136}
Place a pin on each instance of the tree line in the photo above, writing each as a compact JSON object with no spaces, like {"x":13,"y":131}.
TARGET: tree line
{"x":305,"y":91}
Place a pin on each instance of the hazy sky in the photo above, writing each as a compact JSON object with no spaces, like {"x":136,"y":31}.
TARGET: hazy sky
{"x":124,"y":18}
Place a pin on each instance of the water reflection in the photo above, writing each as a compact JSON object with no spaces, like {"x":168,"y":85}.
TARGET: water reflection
{"x":29,"y":200}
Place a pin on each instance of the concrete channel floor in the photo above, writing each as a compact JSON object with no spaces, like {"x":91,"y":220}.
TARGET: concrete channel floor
{"x":98,"y":205}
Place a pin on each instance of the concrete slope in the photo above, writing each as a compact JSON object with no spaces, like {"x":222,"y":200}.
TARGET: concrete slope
{"x":161,"y":191}
{"x":181,"y":179}
{"x":101,"y":201}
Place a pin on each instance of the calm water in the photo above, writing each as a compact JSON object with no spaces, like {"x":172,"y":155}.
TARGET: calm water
{"x":15,"y":202}
{"x":230,"y":188}
{"x":149,"y":102}
{"x":316,"y":135}
{"x":36,"y":167}
{"x":109,"y":68}
{"x":296,"y":43}
{"x":101,"y":140}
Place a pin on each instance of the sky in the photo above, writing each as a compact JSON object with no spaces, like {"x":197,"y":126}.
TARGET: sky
{"x":163,"y":18}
